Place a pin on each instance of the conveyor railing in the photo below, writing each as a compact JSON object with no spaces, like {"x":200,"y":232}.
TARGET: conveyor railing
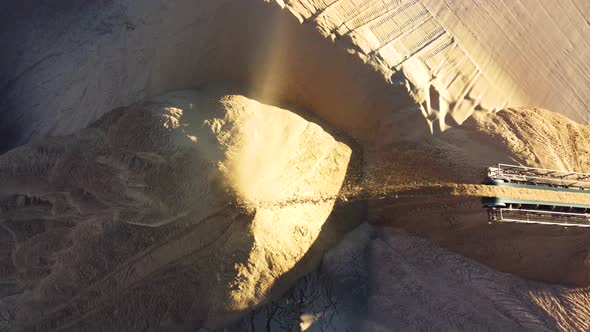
{"x":539,"y":176}
{"x":544,"y":217}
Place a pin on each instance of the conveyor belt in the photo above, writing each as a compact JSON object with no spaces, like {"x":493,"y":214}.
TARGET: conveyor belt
{"x":501,"y":183}
{"x":543,"y":212}
{"x":491,"y":202}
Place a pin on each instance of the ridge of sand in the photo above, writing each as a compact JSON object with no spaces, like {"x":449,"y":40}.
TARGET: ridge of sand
{"x":520,"y":194}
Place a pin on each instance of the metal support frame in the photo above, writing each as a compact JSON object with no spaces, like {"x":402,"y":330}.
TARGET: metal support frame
{"x":543,"y":217}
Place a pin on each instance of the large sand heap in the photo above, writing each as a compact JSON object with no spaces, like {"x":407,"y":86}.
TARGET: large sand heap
{"x":241,"y":192}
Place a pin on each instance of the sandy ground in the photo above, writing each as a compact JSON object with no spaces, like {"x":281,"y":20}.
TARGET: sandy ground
{"x":384,"y":279}
{"x":72,"y":246}
{"x":417,"y":285}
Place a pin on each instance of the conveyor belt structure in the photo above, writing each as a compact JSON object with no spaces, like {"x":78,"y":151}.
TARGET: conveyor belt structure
{"x":507,"y":210}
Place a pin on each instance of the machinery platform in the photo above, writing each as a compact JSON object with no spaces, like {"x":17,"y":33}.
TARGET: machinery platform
{"x":505,"y":210}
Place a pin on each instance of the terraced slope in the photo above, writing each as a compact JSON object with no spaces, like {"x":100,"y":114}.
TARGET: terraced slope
{"x":461,"y":56}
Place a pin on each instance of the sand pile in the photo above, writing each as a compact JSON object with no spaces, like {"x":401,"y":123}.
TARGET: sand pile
{"x":417,"y":285}
{"x":383,"y":279}
{"x":212,"y":171}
